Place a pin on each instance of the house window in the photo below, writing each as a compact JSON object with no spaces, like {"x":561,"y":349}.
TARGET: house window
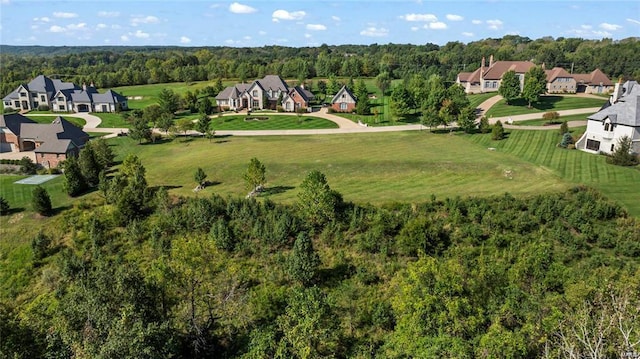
{"x":593,"y":145}
{"x":256,"y":103}
{"x":343,"y":105}
{"x":23,"y":94}
{"x":60,"y":98}
{"x":104,"y":108}
{"x":16,"y":104}
{"x":606,"y":126}
{"x":612,"y":146}
{"x":344,"y":96}
{"x":42,"y":98}
{"x":61,"y":107}
{"x":495,"y":84}
{"x":254,"y":93}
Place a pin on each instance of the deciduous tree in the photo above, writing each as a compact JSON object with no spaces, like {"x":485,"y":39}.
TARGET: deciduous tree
{"x":535,"y":84}
{"x":255,"y":175}
{"x":316,"y":201}
{"x":169,"y":101}
{"x":509,"y":86}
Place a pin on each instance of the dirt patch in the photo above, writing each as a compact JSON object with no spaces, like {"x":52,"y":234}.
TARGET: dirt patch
{"x":16,"y":218}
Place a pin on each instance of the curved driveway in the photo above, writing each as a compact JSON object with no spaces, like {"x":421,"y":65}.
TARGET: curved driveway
{"x":348,"y":126}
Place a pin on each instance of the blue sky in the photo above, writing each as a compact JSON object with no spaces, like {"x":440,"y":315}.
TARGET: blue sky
{"x":307,"y":23}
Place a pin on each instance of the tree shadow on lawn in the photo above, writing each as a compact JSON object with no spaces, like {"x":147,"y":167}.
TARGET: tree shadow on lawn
{"x":276,"y":190}
{"x":14,"y":210}
{"x":545,"y":103}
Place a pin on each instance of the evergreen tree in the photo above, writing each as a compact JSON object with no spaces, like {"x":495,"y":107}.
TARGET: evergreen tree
{"x":564,"y":127}
{"x":169,"y":101}
{"x":509,"y":86}
{"x":200,"y":176}
{"x":74,"y":182}
{"x":362,"y":106}
{"x":623,"y":153}
{"x":497,"y":133}
{"x":484,"y":125}
{"x":165,"y":122}
{"x":103,"y":153}
{"x":401,"y":101}
{"x":222,"y":236}
{"x":40,"y":201}
{"x":535,"y":84}
{"x":566,"y":140}
{"x":203,"y":124}
{"x":316,"y":201}
{"x":152,"y":113}
{"x":89,"y":165}
{"x":303,"y":261}
{"x":4,"y":206}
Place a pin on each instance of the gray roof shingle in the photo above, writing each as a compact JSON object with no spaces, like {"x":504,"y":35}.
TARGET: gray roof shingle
{"x":55,"y":137}
{"x":14,"y":122}
{"x":626,"y":111}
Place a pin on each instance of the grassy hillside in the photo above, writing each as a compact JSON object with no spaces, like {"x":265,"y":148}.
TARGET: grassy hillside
{"x":539,"y":148}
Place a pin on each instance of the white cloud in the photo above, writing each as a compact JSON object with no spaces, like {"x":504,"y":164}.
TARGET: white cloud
{"x":335,"y":18}
{"x":80,"y":26}
{"x":374,"y":32}
{"x":65,"y":15}
{"x":609,"y":27}
{"x":108,"y":14}
{"x":286,"y":15}
{"x":452,"y":17}
{"x":419,"y":17}
{"x":495,"y":24}
{"x":42,"y":19}
{"x":238,"y":8}
{"x":56,"y":28}
{"x":124,"y":38}
{"x":262,"y":32}
{"x":476,"y":22}
{"x":586,"y":27}
{"x":34,"y":27}
{"x":184,"y":40}
{"x":414,"y":28}
{"x":316,"y":27}
{"x":602,"y":33}
{"x":467,"y":34}
{"x":634,"y":21}
{"x":141,"y":34}
{"x":307,"y":36}
{"x":247,"y":38}
{"x":5,"y":2}
{"x":116,"y":27}
{"x":137,"y":20}
{"x":438,"y":25}
{"x":101,"y":26}
{"x":229,"y":42}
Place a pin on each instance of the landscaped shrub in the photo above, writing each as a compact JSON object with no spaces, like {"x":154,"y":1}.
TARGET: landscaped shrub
{"x":279,"y":109}
{"x":331,"y":110}
{"x":564,"y":127}
{"x":497,"y":133}
{"x":9,"y":110}
{"x":43,"y":108}
{"x":27,"y":166}
{"x":566,"y":140}
{"x":551,"y":116}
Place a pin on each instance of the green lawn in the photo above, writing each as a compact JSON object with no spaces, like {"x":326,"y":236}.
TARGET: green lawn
{"x":541,"y":122}
{"x":539,"y":148}
{"x":376,"y":168}
{"x":546,"y":104}
{"x":274,"y":122}
{"x":476,"y":99}
{"x":111,"y":120}
{"x":48,"y":119}
{"x":19,"y":195}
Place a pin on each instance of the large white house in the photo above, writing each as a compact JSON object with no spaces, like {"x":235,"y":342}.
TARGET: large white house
{"x":258,"y":95}
{"x":63,"y":97}
{"x":619,"y":117}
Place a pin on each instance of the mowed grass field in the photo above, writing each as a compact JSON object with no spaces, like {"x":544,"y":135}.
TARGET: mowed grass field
{"x":375,"y":168}
{"x":541,"y":122}
{"x":546,"y":104}
{"x":19,"y":195}
{"x":273,"y":122}
{"x":539,"y":148}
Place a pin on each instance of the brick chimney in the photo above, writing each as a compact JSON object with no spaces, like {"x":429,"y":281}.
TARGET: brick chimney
{"x":490,"y":60}
{"x":84,"y":86}
{"x":482,"y":75}
{"x":617,"y":92}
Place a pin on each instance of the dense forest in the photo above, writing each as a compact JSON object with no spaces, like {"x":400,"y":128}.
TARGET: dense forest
{"x":121,"y":66}
{"x":131,"y":272}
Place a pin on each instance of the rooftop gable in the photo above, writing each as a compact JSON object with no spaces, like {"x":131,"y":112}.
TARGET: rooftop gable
{"x":498,"y":69}
{"x":344,"y":90}
{"x":626,"y":111}
{"x":14,"y":122}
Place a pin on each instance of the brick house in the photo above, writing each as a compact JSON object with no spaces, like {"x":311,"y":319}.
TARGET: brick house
{"x":258,"y":95}
{"x":52,"y":143}
{"x":297,"y":97}
{"x":344,"y":101}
